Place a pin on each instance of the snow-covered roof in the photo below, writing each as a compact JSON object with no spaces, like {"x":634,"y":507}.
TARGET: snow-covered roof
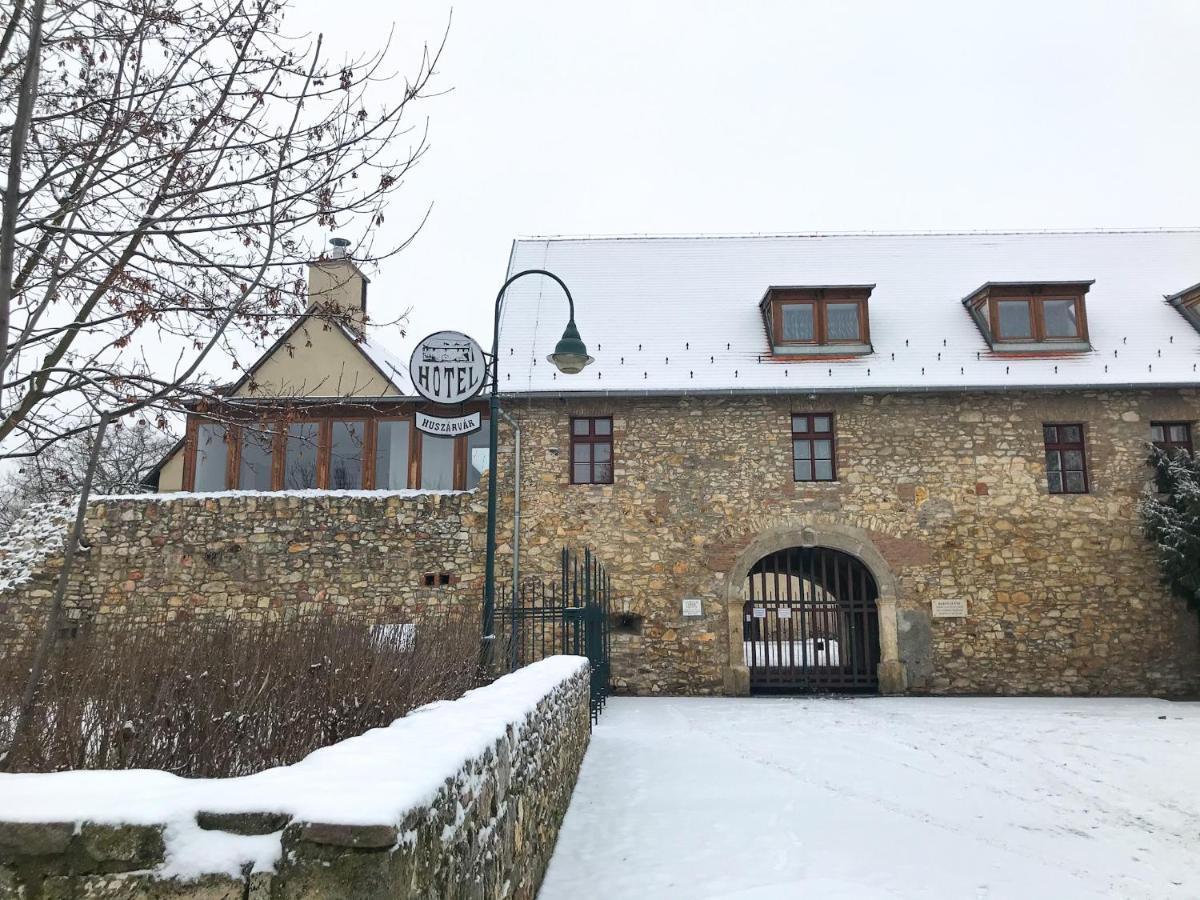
{"x":382,"y":359}
{"x":680,"y":314}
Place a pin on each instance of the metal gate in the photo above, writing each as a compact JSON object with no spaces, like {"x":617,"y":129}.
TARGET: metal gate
{"x":810,"y":623}
{"x":568,"y":614}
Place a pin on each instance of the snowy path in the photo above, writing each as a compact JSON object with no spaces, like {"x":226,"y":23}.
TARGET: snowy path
{"x":856,"y":799}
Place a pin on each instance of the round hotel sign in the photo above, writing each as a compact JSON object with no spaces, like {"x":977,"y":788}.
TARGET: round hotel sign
{"x":448,"y":367}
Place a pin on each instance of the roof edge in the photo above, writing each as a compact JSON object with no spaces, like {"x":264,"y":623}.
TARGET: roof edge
{"x":865,"y":233}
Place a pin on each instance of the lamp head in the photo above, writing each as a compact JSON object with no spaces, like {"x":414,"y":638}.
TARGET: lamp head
{"x":570,"y":354}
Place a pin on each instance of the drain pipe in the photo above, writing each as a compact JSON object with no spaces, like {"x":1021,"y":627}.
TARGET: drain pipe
{"x":516,"y":542}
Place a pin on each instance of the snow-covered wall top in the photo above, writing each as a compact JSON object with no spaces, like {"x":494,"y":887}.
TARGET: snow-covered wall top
{"x":450,"y":764}
{"x":680,"y":314}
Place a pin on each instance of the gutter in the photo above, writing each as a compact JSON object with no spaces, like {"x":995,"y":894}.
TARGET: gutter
{"x":857,"y":389}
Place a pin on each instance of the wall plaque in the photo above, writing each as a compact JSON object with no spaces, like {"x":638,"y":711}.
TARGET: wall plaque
{"x":949,"y":608}
{"x":692,"y":606}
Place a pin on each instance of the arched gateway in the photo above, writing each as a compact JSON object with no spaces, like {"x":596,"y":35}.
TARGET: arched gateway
{"x":810,"y":623}
{"x":812,"y":608}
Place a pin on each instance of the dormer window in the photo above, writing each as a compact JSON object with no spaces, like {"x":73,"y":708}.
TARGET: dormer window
{"x":1188,"y":302}
{"x":1031,"y":317}
{"x":820,"y":321}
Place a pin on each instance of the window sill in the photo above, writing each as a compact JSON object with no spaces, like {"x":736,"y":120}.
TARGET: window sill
{"x":1041,"y":347}
{"x":803,"y":351}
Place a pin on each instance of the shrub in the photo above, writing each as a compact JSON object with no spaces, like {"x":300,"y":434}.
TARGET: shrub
{"x":224,"y":698}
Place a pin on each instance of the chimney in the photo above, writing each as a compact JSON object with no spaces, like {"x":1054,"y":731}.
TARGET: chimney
{"x":336,"y":283}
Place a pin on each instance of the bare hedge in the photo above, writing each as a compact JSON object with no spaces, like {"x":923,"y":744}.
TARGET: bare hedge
{"x":224,"y":698}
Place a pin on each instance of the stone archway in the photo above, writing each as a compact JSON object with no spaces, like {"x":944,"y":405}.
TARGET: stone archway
{"x":846,"y":538}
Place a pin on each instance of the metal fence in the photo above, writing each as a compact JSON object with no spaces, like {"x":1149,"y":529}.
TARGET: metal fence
{"x":568,"y":614}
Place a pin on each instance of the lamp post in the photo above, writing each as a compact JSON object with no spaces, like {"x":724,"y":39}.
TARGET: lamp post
{"x":570,"y":357}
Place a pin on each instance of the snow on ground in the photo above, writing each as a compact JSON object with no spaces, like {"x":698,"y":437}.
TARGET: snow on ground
{"x":859,"y":799}
{"x":375,"y":778}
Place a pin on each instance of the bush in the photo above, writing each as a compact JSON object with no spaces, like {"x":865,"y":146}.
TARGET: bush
{"x":224,"y":698}
{"x":1171,"y":520}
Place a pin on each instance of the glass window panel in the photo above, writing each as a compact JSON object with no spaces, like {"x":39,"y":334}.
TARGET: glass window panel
{"x":1053,"y":462}
{"x":603,"y":426}
{"x":1073,"y":460}
{"x":1156,"y":432}
{"x":841,"y":321}
{"x":824,"y":469}
{"x":797,"y":321}
{"x":300,"y":456}
{"x":1179,"y":432}
{"x":1054,"y":482}
{"x":346,"y":455}
{"x":437,"y":463}
{"x":1050,"y":433}
{"x":580,"y":426}
{"x":1013,"y":319}
{"x":1058,"y":316}
{"x":801,"y":449}
{"x":254,"y":474}
{"x":212,"y":452}
{"x":822,"y":424}
{"x":391,"y":456}
{"x":1070,"y":434}
{"x":583,"y":453}
{"x":800,"y":424}
{"x":603,"y":452}
{"x":583,"y":473}
{"x":803,"y":470}
{"x":478,"y":452}
{"x":603,"y":473}
{"x":1075,"y":483}
{"x":823,"y":449}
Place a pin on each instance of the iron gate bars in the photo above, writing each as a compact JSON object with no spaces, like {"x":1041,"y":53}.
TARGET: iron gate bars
{"x":810,"y":623}
{"x":569,"y":615}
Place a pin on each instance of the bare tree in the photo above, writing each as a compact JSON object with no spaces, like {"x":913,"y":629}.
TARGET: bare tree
{"x":168,"y":168}
{"x":56,"y":474}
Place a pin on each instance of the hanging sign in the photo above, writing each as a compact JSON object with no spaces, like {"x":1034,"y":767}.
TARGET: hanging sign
{"x":448,"y":427}
{"x":447,"y":367}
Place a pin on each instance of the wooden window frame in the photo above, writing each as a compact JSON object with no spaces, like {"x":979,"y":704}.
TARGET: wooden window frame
{"x":985,"y":305}
{"x":1167,"y":443}
{"x":592,"y":439}
{"x":414,"y":458}
{"x":326,"y":452}
{"x":811,"y":436}
{"x":819,"y":299}
{"x":1060,"y":446}
{"x":234,"y":430}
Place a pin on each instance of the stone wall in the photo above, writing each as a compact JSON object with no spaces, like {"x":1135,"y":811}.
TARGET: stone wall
{"x":488,"y":832}
{"x":947,"y":492}
{"x":260,"y":556}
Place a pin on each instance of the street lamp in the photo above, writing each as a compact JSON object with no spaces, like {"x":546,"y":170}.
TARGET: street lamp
{"x":570,"y":357}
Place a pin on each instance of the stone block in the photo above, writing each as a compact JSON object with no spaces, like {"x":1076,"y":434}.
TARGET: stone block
{"x":243,"y":823}
{"x":360,"y":837}
{"x":142,"y":887}
{"x":126,"y":846}
{"x":21,"y":840}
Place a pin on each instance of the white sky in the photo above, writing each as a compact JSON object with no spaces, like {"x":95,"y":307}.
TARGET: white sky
{"x":673,"y":116}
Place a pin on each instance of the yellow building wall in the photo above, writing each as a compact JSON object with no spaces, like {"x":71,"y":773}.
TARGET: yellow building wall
{"x":317,"y":361}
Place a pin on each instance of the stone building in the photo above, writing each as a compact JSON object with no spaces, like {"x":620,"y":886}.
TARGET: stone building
{"x":869,"y":463}
{"x":893,"y":462}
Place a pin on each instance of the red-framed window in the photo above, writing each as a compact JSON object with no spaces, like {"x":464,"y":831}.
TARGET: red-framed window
{"x":1171,"y":435}
{"x":1066,"y":458}
{"x":591,"y":450}
{"x":812,"y":447}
